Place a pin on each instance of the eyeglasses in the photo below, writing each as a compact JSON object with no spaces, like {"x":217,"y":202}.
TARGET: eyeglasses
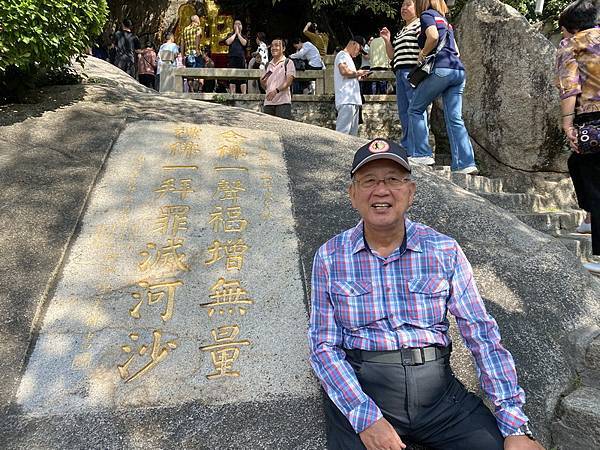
{"x":390,"y":182}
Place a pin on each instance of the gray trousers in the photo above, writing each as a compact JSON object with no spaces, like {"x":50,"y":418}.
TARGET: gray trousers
{"x":284,"y":111}
{"x":426,"y":405}
{"x":347,"y":119}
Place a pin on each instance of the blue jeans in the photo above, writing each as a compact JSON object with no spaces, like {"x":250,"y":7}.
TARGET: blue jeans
{"x":450,"y":85}
{"x":404,"y":93}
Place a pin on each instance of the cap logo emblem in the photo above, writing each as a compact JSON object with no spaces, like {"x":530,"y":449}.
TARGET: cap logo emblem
{"x":379,"y":146}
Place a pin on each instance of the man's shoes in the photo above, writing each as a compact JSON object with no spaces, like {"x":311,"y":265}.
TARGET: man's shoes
{"x":471,"y":170}
{"x":421,"y":160}
{"x":593,"y":267}
{"x":584,"y":228}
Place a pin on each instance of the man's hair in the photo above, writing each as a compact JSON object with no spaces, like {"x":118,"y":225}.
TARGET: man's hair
{"x":169,"y":35}
{"x":261,"y":36}
{"x":127,"y":23}
{"x":424,"y":5}
{"x":579,"y":15}
{"x":297,"y":40}
{"x":283,"y":41}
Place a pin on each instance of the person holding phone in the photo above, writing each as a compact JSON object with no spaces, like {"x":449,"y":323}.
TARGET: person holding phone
{"x":236,"y":54}
{"x":347,"y":89}
{"x":276,"y":82}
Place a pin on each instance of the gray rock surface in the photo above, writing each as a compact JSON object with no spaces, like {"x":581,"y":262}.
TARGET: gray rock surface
{"x":532,"y":284}
{"x":511,"y":106}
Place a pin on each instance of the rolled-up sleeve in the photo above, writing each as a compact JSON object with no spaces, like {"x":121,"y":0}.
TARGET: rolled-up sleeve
{"x":328,"y":358}
{"x":495,"y":364}
{"x":568,"y":78}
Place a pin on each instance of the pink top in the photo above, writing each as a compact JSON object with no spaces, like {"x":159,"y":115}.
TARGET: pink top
{"x":277,"y":79}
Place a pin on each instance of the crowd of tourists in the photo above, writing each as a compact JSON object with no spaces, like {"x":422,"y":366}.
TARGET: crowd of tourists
{"x":425,"y":59}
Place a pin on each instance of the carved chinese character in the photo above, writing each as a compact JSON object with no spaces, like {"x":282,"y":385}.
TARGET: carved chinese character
{"x":232,"y":137}
{"x":157,"y":354}
{"x":225,"y":351}
{"x":169,"y":186}
{"x":231,"y":151}
{"x":233,"y":251}
{"x":230,"y":190}
{"x":227,"y":296}
{"x":166,"y":257}
{"x":182,"y":132}
{"x":156,"y":293}
{"x":233,"y":223}
{"x":172,"y":219}
{"x":187,"y":149}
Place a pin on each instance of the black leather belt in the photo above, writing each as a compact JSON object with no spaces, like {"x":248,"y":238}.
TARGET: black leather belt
{"x":404,"y":356}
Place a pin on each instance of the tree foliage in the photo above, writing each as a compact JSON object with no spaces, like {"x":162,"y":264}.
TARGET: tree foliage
{"x":42,"y":35}
{"x":389,"y":9}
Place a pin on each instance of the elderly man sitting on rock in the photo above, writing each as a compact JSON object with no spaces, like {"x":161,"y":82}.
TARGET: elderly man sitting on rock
{"x":378,"y":334}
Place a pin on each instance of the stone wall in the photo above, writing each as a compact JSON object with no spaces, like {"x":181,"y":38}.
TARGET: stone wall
{"x":380,"y":113}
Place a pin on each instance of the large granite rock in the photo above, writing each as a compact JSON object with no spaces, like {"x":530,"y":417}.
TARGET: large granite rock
{"x":532,"y":284}
{"x":511,"y":106}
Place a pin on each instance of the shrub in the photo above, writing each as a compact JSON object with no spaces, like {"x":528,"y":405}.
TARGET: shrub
{"x":43,"y":35}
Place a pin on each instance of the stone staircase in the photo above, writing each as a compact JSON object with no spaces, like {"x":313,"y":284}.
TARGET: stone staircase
{"x":578,"y":415}
{"x":536,"y":210}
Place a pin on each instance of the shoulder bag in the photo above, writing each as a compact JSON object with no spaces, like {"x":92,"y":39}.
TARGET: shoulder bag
{"x":424,"y":68}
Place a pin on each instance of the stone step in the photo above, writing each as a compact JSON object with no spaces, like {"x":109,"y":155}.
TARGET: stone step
{"x":579,"y":421}
{"x":516,"y":202}
{"x":552,"y":222}
{"x":470,"y":182}
{"x":580,"y":244}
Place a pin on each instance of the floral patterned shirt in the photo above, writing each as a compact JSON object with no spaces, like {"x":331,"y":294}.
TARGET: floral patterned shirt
{"x":578,"y":69}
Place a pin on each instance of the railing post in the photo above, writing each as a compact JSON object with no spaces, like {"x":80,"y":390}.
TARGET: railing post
{"x":328,"y":87}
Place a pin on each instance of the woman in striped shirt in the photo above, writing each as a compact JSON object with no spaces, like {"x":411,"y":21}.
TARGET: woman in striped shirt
{"x":403,"y":50}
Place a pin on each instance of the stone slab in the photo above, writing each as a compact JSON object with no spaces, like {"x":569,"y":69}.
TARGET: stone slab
{"x":187,"y":243}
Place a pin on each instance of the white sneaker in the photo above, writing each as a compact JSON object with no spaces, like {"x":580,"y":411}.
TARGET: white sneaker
{"x":421,"y":160}
{"x":593,"y":267}
{"x":584,"y":228}
{"x":471,"y":170}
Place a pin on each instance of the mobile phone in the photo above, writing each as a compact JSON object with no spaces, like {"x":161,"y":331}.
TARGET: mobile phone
{"x":369,"y":73}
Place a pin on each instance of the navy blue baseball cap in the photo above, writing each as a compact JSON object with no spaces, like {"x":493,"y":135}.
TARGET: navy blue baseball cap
{"x":380,"y":148}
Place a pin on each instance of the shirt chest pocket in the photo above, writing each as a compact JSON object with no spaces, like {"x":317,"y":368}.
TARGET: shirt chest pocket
{"x":426,"y":301}
{"x":355,"y":305}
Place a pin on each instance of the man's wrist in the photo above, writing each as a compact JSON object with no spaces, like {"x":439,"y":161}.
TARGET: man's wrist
{"x":523,"y":430}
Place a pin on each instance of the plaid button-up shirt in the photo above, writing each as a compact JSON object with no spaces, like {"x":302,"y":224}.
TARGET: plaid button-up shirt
{"x":363,"y":301}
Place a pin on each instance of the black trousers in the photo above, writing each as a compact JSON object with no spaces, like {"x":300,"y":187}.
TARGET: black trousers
{"x":426,"y":405}
{"x":585,"y":174}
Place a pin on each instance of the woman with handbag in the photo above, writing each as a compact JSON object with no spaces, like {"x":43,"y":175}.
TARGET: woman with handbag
{"x":447,"y":79}
{"x":403,"y":50}
{"x":578,"y":81}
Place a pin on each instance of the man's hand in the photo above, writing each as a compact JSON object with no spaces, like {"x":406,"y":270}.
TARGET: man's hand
{"x":271,"y":95}
{"x":362,"y":73}
{"x":521,"y":443}
{"x":381,"y":436}
{"x":385,"y":34}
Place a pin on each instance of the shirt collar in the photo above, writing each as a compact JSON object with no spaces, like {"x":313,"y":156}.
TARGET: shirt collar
{"x":413,"y":242}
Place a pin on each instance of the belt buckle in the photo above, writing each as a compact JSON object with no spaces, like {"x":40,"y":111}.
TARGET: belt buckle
{"x":417,"y":358}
